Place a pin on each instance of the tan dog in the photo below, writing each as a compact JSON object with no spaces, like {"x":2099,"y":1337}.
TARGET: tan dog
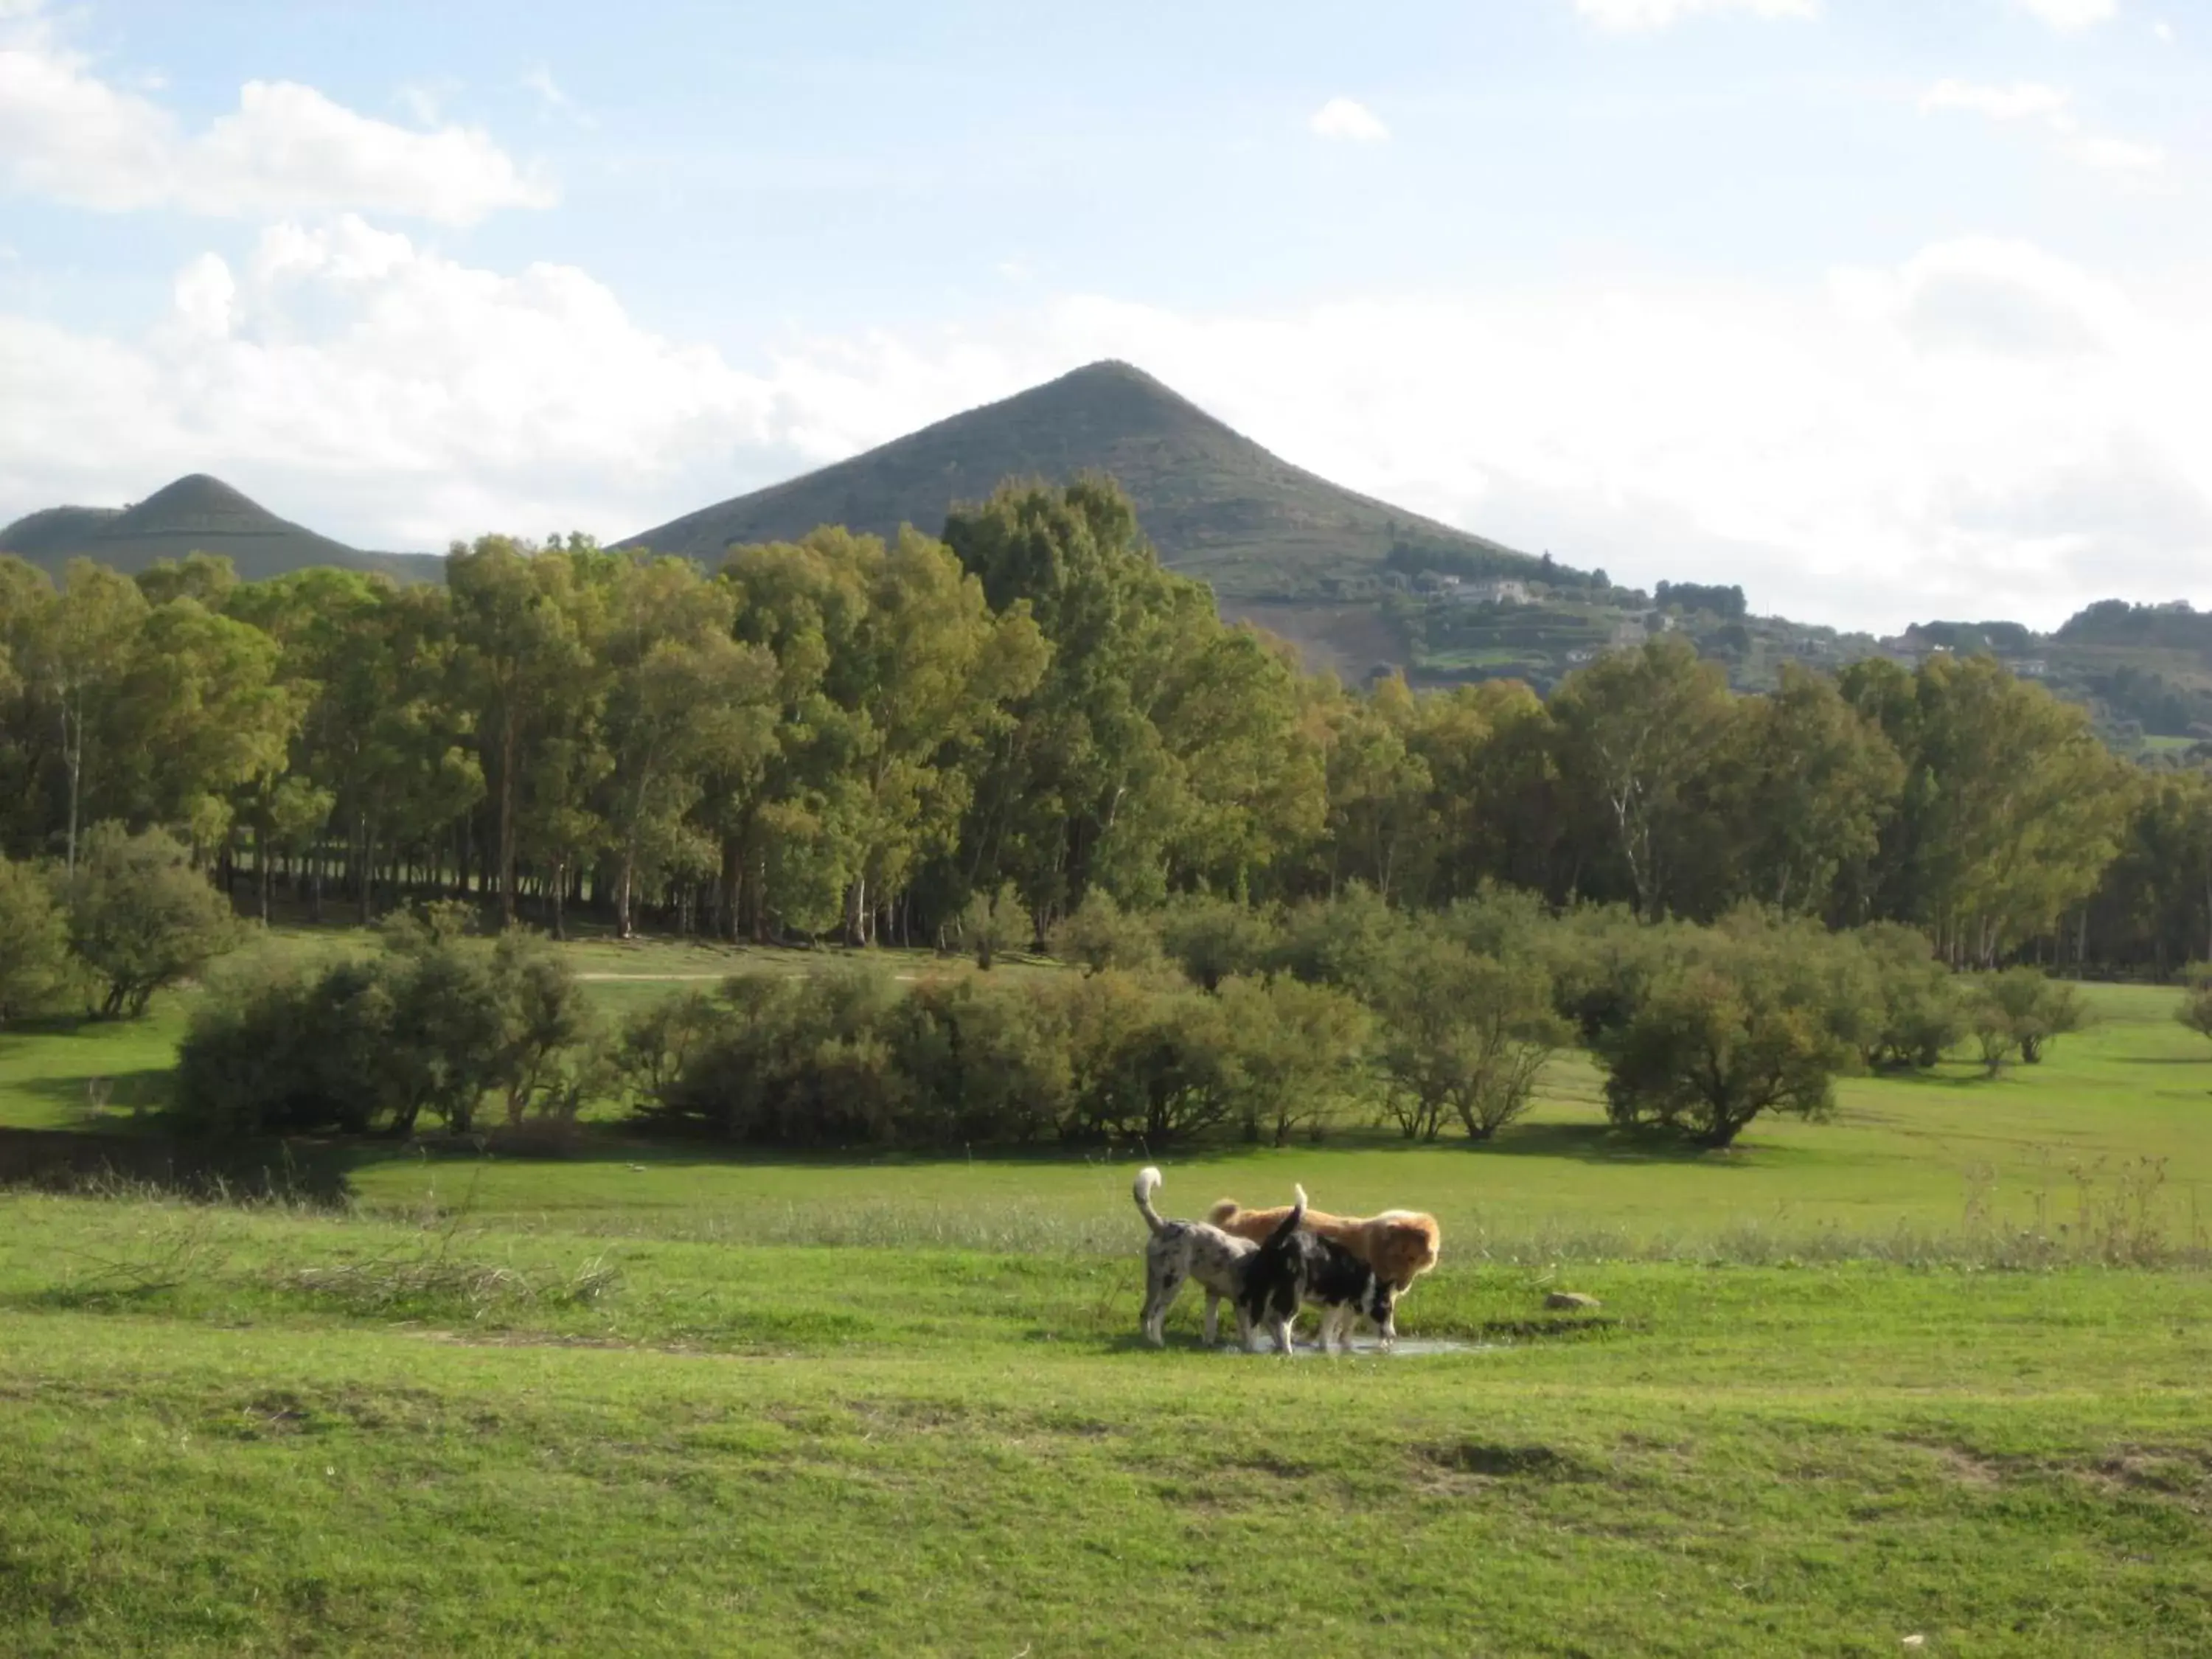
{"x":1399,"y":1245}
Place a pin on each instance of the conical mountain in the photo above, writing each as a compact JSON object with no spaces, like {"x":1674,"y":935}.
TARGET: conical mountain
{"x":1214,"y":502}
{"x":196,"y":514}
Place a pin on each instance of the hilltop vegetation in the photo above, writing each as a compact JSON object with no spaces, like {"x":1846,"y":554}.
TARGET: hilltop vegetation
{"x":195,"y":514}
{"x":1216,"y":505}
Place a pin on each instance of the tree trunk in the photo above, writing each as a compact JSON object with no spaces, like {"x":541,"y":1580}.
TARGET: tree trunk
{"x":507,"y":744}
{"x":73,"y":755}
{"x":624,"y":878}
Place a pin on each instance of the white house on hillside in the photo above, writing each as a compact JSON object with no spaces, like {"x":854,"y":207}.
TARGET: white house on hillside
{"x":1498,"y":590}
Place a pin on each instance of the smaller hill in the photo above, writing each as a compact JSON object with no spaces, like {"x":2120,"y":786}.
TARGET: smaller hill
{"x":195,"y":514}
{"x":55,"y":528}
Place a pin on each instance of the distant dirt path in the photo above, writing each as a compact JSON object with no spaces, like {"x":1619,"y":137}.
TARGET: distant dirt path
{"x":670,"y":978}
{"x":654,"y":976}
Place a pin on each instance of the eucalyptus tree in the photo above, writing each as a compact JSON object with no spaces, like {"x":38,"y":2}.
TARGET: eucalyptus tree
{"x":1806,"y":785}
{"x":520,"y":621}
{"x":1638,"y":733}
{"x":2010,"y":809}
{"x":687,"y":701}
{"x":77,"y":650}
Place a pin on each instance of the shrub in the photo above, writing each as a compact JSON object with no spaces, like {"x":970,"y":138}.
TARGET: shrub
{"x":1347,"y":939}
{"x":992,"y":923}
{"x":1213,"y":937}
{"x":2021,"y":1012}
{"x":2196,"y":1009}
{"x":1602,"y":960}
{"x":989,"y":1063}
{"x":802,"y":1062}
{"x":1294,"y":1053}
{"x":435,"y":1022}
{"x":547,"y":1056}
{"x":1734,"y":1023}
{"x":1101,"y":934}
{"x":282,"y":1052}
{"x":140,"y":919}
{"x":1924,"y":1011}
{"x":1465,"y":1034}
{"x":35,"y":969}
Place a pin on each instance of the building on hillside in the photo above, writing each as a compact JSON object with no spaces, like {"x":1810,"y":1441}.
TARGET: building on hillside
{"x":1497,"y":590}
{"x":1630,"y":633}
{"x":2031,"y":668}
{"x":1577,"y":657}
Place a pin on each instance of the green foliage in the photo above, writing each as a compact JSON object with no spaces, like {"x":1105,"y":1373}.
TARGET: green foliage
{"x":140,"y":919}
{"x":1735,"y":1023}
{"x":1602,"y":962}
{"x":1296,"y":1055}
{"x":436,"y":1022}
{"x":993,"y":923}
{"x":1348,"y":939}
{"x":1464,"y":1034}
{"x":1924,"y":1011}
{"x":35,"y":967}
{"x":845,"y":1058}
{"x":2020,"y":1012}
{"x":1101,"y":934}
{"x":2196,"y":1009}
{"x":1211,"y":939}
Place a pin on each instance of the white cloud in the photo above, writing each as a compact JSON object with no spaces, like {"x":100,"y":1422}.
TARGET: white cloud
{"x":400,"y":397}
{"x":2022,"y":101}
{"x":1981,"y":429}
{"x":1628,"y":15}
{"x":2051,"y":109}
{"x":2112,"y":154}
{"x":67,"y":134}
{"x":1344,"y":118}
{"x":553,"y":99}
{"x":2164,"y":31}
{"x":2070,"y":15}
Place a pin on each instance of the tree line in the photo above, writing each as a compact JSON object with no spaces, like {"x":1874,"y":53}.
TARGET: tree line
{"x":847,"y":739}
{"x":1205,"y":1018}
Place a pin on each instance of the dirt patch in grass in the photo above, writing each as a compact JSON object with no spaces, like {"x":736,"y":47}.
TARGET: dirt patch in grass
{"x":2183,"y":1472}
{"x":1484,"y":1459}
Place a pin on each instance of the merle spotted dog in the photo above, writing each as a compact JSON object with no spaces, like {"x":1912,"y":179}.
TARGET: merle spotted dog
{"x":1295,"y":1268}
{"x":1179,"y":1251}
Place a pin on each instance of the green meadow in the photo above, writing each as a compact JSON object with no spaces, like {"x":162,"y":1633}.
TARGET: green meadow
{"x":1929,"y":1377}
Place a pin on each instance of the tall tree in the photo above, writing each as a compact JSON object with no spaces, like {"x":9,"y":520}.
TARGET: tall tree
{"x":79,"y":649}
{"x":1638,"y":733}
{"x":2010,"y":809}
{"x":1806,"y":785}
{"x":520,"y":652}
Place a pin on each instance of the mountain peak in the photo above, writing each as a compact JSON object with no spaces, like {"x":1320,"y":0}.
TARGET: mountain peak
{"x":196,"y":513}
{"x":1214,"y":504}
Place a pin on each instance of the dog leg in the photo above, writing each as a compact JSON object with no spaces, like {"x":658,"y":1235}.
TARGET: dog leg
{"x":1212,"y":1319}
{"x":1160,"y":1297}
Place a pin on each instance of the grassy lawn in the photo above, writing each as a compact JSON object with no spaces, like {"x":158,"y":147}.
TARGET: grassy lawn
{"x":649,"y":1399}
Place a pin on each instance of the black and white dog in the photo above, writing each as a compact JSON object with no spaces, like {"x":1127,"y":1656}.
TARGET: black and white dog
{"x":1179,"y":1251}
{"x":1296,"y":1268}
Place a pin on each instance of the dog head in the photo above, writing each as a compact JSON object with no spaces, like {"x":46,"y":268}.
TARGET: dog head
{"x":1402,"y":1246}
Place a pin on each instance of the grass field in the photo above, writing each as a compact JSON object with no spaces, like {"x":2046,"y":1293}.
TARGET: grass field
{"x":1854,"y":1383}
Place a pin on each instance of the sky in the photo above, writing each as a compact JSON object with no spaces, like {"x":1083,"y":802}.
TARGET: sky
{"x":1886,"y":310}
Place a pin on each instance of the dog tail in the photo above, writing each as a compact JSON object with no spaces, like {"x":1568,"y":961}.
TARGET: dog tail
{"x":1146,"y":1184}
{"x":1224,"y":1212}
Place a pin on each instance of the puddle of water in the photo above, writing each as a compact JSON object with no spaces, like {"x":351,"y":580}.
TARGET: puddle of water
{"x":1406,"y":1347}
